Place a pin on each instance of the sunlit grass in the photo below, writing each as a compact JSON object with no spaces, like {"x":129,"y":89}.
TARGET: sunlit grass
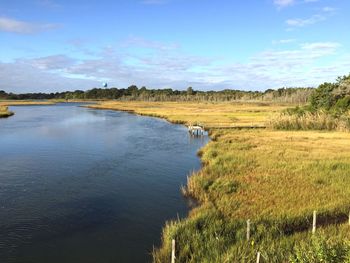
{"x":310,"y":121}
{"x":25,"y":102}
{"x":209,"y":114}
{"x":4,"y":112}
{"x":275,"y":178}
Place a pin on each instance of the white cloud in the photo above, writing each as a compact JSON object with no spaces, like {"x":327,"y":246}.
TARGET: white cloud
{"x":22,"y":77}
{"x":325,"y":13}
{"x":283,"y":41}
{"x":283,"y":3}
{"x":21,"y":27}
{"x":57,"y":62}
{"x":160,"y":67}
{"x":299,"y":22}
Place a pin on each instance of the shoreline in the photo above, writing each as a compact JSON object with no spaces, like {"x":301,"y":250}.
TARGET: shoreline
{"x":274,"y":178}
{"x":6,"y":103}
{"x":238,"y":181}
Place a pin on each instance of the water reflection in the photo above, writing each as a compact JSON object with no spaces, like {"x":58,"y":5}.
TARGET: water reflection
{"x":82,"y":185}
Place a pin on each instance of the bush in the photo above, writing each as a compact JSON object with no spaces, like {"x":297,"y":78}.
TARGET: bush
{"x":321,"y":250}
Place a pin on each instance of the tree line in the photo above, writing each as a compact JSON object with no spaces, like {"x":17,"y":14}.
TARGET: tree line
{"x":288,"y":95}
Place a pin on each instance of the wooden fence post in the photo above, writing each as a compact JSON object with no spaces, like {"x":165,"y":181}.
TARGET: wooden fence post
{"x":173,"y":251}
{"x":314,"y":223}
{"x":258,"y":258}
{"x":248,"y":229}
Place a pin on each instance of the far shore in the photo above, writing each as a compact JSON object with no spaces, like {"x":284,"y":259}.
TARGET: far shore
{"x":25,"y":102}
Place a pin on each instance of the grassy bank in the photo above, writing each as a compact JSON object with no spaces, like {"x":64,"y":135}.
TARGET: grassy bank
{"x":4,"y":112}
{"x":274,"y":178}
{"x":237,"y":114}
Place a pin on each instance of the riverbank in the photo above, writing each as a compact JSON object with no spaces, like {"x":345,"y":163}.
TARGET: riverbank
{"x":211,"y":115}
{"x":4,"y":112}
{"x":25,"y":102}
{"x":274,"y":178}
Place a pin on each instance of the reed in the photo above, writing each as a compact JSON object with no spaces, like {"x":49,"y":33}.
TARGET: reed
{"x":310,"y":121}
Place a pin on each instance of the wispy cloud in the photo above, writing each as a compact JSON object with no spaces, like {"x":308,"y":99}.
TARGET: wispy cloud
{"x":324,"y":14}
{"x":160,"y":67}
{"x":56,"y":62}
{"x":284,"y":41}
{"x":22,"y":27}
{"x":300,"y":22}
{"x":283,"y":3}
{"x":145,"y":43}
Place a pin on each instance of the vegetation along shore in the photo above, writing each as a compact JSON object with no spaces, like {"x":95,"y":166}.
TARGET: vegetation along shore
{"x":275,"y":178}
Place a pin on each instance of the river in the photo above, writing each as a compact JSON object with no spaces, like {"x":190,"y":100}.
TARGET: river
{"x":81,"y":185}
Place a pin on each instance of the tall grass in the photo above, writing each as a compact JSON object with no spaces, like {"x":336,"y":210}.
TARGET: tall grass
{"x":274,"y":178}
{"x":310,"y":121}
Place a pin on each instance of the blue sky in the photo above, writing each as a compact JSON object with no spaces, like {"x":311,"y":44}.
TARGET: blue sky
{"x":53,"y":45}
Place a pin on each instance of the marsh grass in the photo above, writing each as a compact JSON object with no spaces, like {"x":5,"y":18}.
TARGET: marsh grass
{"x":310,"y":121}
{"x":4,"y":112}
{"x":25,"y":102}
{"x":275,"y":178}
{"x":234,"y":114}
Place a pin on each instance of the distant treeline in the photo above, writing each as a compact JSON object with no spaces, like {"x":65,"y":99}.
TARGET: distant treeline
{"x":288,"y":95}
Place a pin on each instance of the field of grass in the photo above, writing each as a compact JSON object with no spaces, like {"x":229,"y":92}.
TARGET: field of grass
{"x":236,"y":114}
{"x":274,"y":178}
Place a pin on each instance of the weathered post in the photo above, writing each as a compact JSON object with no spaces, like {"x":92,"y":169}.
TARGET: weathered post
{"x":258,"y":258}
{"x":173,"y":251}
{"x":248,"y":229}
{"x":314,"y":223}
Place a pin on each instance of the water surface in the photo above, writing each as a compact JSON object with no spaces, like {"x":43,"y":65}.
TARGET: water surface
{"x":84,"y":185}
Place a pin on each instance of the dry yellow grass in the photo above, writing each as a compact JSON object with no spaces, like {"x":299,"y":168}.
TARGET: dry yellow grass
{"x":279,"y":173}
{"x":274,"y":178}
{"x":24,"y":102}
{"x":209,"y":114}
